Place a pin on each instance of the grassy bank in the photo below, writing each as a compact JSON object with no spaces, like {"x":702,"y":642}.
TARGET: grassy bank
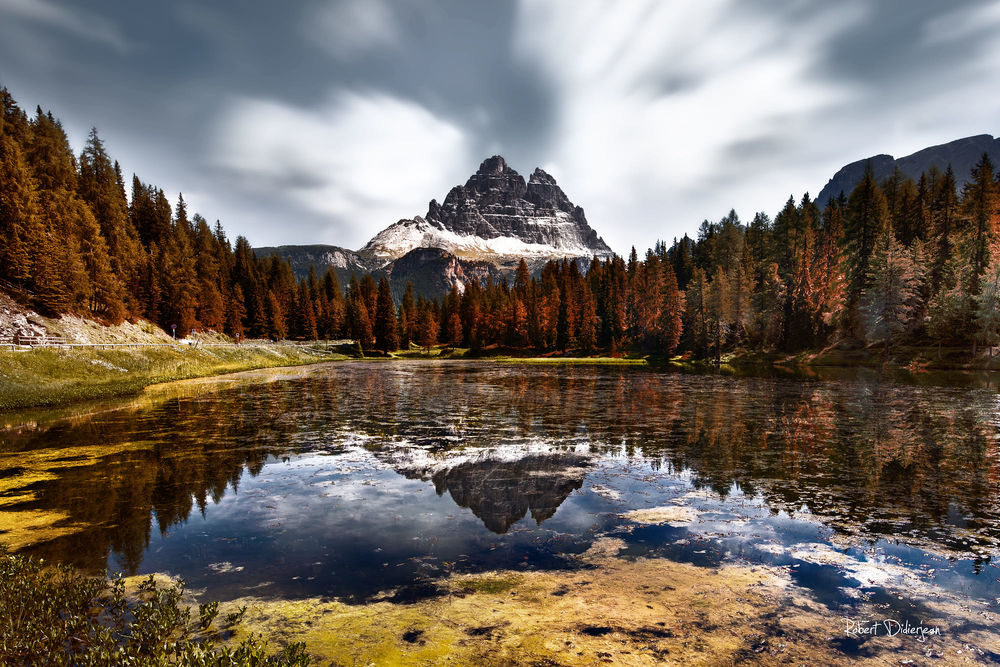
{"x":47,"y":377}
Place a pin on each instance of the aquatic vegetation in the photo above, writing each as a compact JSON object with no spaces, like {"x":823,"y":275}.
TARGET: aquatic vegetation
{"x":57,"y":616}
{"x":614,"y":611}
{"x":491,"y":584}
{"x":673,"y":515}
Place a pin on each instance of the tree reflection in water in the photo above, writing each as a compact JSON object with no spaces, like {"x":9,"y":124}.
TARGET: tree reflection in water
{"x":871,"y":459}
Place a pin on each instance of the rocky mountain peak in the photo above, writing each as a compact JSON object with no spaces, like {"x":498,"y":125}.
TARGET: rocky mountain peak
{"x":495,"y":175}
{"x":493,"y":166}
{"x":539,"y":175}
{"x":498,"y":217}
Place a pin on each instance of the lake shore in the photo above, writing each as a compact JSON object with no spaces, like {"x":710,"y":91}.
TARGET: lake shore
{"x":53,"y":377}
{"x":43,"y":378}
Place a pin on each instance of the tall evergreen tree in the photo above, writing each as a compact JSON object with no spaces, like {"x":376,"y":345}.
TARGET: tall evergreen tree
{"x":867,"y":217}
{"x":891,"y":297}
{"x":386,"y":326}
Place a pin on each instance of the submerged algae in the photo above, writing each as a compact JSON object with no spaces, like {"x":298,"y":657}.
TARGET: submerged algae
{"x":638,"y":612}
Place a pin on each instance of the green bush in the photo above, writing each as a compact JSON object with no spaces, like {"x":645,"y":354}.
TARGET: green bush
{"x":57,"y":616}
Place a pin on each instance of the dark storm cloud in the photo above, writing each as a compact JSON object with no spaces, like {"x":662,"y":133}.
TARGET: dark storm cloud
{"x":325,"y":121}
{"x":905,"y":44}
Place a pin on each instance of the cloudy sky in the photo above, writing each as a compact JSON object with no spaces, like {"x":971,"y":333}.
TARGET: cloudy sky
{"x":326,"y":121}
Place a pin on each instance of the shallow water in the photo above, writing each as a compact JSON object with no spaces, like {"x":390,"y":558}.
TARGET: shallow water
{"x":360,"y":481}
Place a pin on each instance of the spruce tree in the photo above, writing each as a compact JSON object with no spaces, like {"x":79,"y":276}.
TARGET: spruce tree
{"x":891,"y":297}
{"x":981,"y":206}
{"x":18,"y":206}
{"x":866,"y":218}
{"x":988,"y":301}
{"x":386,"y":326}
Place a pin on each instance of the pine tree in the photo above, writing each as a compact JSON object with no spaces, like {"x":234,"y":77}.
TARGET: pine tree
{"x":866,"y":218}
{"x":587,"y":336}
{"x":99,"y":185}
{"x":386,"y":326}
{"x":719,"y":311}
{"x":981,"y":205}
{"x":943,"y":213}
{"x":277,"y":316}
{"x":427,"y":335}
{"x":950,"y":309}
{"x":408,"y":319}
{"x":236,"y":311}
{"x":360,"y":324}
{"x":988,"y":301}
{"x":18,"y":206}
{"x":696,"y":313}
{"x":671,"y":315}
{"x":889,"y":301}
{"x":305,"y":313}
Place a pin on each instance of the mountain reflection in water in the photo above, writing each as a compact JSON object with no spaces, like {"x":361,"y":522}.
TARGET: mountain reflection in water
{"x":330,"y":467}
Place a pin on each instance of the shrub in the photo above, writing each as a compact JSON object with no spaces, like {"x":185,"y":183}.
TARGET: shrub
{"x":58,"y":616}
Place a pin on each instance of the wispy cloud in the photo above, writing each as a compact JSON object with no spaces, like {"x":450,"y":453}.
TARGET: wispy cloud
{"x":651,"y":108}
{"x":364,"y":160}
{"x":347,"y":28}
{"x":76,"y":21}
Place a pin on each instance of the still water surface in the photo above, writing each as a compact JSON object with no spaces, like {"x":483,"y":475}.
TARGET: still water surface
{"x":364,"y":480}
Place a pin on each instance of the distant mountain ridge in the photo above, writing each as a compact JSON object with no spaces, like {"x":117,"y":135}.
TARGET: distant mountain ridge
{"x":961,"y":154}
{"x":481,"y":229}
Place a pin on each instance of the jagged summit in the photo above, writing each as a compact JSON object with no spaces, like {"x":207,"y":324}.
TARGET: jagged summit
{"x":496,"y":216}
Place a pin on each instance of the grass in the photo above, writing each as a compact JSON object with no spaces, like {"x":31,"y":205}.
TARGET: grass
{"x":48,"y":377}
{"x":58,"y":616}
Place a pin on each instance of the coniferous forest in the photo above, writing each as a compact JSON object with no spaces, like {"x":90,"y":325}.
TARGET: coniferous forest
{"x":892,"y":262}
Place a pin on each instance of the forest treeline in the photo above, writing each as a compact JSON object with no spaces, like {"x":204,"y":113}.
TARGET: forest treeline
{"x":895,"y":261}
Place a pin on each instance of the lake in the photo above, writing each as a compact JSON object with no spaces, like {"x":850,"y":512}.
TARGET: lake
{"x":860,"y":500}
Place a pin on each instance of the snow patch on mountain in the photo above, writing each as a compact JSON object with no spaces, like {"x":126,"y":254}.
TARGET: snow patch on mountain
{"x":402,"y":237}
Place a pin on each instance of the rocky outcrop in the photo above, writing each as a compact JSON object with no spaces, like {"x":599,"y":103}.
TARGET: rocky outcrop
{"x":433,"y":272}
{"x":496,"y":216}
{"x":962,"y":155}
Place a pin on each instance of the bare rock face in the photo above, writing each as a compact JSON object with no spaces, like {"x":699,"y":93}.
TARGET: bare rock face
{"x":498,"y":217}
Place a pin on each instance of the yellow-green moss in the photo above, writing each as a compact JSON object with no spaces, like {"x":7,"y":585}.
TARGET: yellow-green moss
{"x":641,"y":612}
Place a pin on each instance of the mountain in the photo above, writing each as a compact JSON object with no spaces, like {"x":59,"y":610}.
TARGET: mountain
{"x":496,"y":217}
{"x":343,"y":261}
{"x":481,"y":229}
{"x":501,"y":485}
{"x":961,"y":154}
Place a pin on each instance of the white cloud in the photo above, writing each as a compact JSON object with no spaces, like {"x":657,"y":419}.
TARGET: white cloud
{"x":75,"y":21}
{"x":348,"y":28}
{"x":653,"y":95}
{"x":361,"y":160}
